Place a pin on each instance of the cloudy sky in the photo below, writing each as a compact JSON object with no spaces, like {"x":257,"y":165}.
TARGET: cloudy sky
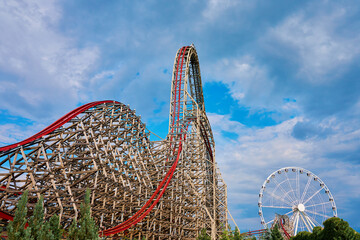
{"x":281,"y":80}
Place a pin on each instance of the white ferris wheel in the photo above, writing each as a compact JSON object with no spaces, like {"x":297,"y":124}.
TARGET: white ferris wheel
{"x":298,"y":195}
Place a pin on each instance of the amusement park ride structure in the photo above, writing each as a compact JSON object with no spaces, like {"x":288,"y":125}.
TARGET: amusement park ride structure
{"x":296,"y":200}
{"x":166,"y":189}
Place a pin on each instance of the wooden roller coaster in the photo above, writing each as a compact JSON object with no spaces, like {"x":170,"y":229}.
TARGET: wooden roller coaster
{"x":166,"y":189}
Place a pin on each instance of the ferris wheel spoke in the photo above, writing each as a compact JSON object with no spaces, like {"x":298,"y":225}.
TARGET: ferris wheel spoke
{"x":269,"y":222}
{"x":313,"y":195}
{"x":296,"y":223}
{"x":323,"y":203}
{"x":279,"y":198}
{"x":284,"y":192}
{"x":276,"y":207}
{"x":313,"y":220}
{"x":298,"y":184}
{"x":289,"y":212}
{"x":305,"y":190}
{"x":311,"y":224}
{"x":292,"y":190}
{"x":319,"y":214}
{"x":305,"y":223}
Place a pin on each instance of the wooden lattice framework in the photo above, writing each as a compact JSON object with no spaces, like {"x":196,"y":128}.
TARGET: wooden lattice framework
{"x":168,"y":189}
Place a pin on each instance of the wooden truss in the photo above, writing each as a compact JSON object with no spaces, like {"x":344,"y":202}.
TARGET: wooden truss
{"x":105,"y":147}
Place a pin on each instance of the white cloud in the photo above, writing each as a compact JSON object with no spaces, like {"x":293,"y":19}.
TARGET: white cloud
{"x":215,"y":8}
{"x":11,"y":133}
{"x":248,"y":81}
{"x":245,"y":162}
{"x":40,"y":67}
{"x":318,"y":43}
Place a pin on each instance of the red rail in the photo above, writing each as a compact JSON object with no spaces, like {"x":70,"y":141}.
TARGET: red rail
{"x":255,"y":232}
{"x":6,"y":216}
{"x":176,"y":102}
{"x":9,"y":217}
{"x":177,"y":91}
{"x":61,"y":121}
{"x":286,"y":233}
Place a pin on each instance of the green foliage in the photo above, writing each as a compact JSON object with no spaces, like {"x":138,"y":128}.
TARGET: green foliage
{"x":266,"y":235}
{"x":334,"y":229}
{"x":54,"y":225}
{"x":316,"y":234}
{"x":16,"y":228}
{"x":41,"y":230}
{"x":302,"y":236}
{"x":73,"y":231}
{"x":236,"y":235}
{"x":203,"y":235}
{"x":45,"y":232}
{"x":250,"y":238}
{"x":275,"y":234}
{"x":228,"y":234}
{"x":85,"y":229}
{"x":36,"y":221}
{"x":88,"y":228}
{"x":38,"y":229}
{"x":225,"y":235}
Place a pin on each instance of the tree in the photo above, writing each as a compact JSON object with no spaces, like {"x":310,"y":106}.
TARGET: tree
{"x":275,"y":233}
{"x":302,"y":236}
{"x":266,"y":235}
{"x":225,"y":235}
{"x":316,"y":233}
{"x":203,"y":235}
{"x":36,"y":221}
{"x":88,"y":229}
{"x":41,"y":230}
{"x":54,"y":223}
{"x":16,"y":228}
{"x":73,"y":231}
{"x":45,"y":233}
{"x":336,"y":228}
{"x":85,"y":229}
{"x":237,"y":234}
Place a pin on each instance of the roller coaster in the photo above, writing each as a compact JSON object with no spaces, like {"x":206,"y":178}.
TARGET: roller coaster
{"x":140,"y":188}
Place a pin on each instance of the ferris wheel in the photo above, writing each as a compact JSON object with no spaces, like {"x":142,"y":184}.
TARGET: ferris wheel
{"x":299,"y":196}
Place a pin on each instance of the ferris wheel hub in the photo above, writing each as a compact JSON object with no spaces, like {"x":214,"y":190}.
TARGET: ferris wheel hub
{"x":301,"y":207}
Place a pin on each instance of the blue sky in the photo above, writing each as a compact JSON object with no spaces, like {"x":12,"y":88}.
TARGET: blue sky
{"x":281,"y":80}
